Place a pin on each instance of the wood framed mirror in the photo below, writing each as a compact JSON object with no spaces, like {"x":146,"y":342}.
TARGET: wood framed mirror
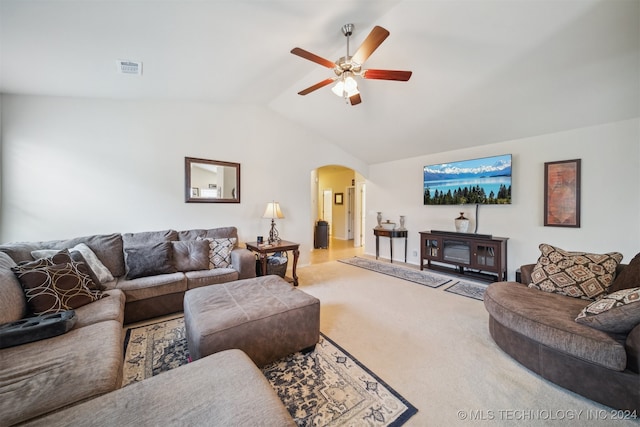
{"x":211,"y":181}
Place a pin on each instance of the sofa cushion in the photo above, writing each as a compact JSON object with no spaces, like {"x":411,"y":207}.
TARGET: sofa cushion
{"x":107,"y":247}
{"x":549,"y":319}
{"x":618,"y":312}
{"x":213,"y":233}
{"x":109,"y":307}
{"x":56,"y":288}
{"x":149,"y":260}
{"x":197,"y":279}
{"x":13,"y":304}
{"x":575,"y":274}
{"x":220,"y":251}
{"x":43,"y":376}
{"x":152,"y":286}
{"x":224,"y":389}
{"x":146,"y":238}
{"x":629,"y":277}
{"x":191,"y":255}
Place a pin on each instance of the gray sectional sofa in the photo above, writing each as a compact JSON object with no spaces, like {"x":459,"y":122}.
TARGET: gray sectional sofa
{"x":143,"y":275}
{"x":540,"y":331}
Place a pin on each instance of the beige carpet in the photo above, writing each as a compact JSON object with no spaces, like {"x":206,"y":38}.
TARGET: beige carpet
{"x":434,"y":348}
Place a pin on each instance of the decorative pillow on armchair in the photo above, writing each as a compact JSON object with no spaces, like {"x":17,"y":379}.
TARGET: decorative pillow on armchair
{"x":575,"y":274}
{"x":617,"y":312}
{"x":220,"y":251}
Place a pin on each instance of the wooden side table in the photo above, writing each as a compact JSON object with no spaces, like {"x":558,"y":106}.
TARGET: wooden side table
{"x":263,"y":250}
{"x":390,"y":234}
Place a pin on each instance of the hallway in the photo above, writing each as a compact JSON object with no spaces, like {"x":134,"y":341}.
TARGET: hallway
{"x":338,"y":249}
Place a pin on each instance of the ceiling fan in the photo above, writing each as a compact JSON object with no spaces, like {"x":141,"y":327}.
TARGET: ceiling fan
{"x":349,"y":67}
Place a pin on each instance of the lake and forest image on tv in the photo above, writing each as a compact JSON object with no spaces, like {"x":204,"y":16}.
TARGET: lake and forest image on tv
{"x":484,"y":181}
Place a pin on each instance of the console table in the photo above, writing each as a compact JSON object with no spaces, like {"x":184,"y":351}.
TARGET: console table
{"x":481,"y":252}
{"x":390,"y":234}
{"x":263,"y":250}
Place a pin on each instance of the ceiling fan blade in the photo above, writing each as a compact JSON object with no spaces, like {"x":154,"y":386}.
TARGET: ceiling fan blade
{"x":355,"y":99}
{"x":317,"y":86}
{"x":402,"y":76}
{"x":312,"y":57}
{"x":371,"y":43}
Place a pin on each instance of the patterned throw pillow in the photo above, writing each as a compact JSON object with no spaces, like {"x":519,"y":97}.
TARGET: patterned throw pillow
{"x":617,"y":312}
{"x":56,"y":288}
{"x":52,"y":258}
{"x":220,"y":251}
{"x":82,"y":253}
{"x":575,"y":274}
{"x":49,"y":257}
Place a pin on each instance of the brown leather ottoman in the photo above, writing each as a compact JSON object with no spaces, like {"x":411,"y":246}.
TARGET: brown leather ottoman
{"x":266,"y":317}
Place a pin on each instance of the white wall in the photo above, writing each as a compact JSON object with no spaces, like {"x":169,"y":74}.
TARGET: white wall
{"x":73,"y":167}
{"x":610,"y":198}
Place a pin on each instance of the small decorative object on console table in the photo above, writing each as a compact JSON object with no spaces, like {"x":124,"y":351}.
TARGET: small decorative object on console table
{"x":379,"y":218}
{"x":273,"y":211}
{"x":281,"y":246}
{"x":388,"y":225}
{"x":481,"y":252}
{"x":402,"y":222}
{"x":462,"y":223}
{"x":390,"y":233}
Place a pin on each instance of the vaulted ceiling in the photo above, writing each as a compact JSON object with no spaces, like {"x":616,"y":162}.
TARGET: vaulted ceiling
{"x":484,"y":71}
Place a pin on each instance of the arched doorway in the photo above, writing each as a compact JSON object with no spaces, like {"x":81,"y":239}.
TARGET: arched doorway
{"x":338,"y":197}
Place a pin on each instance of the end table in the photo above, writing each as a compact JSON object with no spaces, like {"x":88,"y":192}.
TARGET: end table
{"x":263,"y":250}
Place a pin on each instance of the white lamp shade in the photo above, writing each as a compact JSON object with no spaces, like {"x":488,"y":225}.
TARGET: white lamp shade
{"x":338,"y":89}
{"x":350,"y":85}
{"x":347,"y":84}
{"x":273,"y":211}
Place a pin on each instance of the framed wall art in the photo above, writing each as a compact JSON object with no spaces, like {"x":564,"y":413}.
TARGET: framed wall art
{"x":562,"y":193}
{"x":338,"y":198}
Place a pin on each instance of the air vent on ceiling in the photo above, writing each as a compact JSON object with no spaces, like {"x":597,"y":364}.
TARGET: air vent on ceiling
{"x":129,"y":67}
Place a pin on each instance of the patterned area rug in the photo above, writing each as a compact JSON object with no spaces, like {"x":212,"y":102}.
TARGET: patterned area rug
{"x":422,"y":277}
{"x":431,"y":279}
{"x":326,"y":387}
{"x":469,"y":289}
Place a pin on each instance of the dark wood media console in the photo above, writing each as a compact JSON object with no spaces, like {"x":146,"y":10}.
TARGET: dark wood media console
{"x":465,"y":251}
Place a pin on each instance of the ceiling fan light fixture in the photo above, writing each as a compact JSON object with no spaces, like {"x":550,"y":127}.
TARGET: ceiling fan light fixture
{"x":338,"y":89}
{"x":346,"y":86}
{"x":350,"y":85}
{"x":350,"y":66}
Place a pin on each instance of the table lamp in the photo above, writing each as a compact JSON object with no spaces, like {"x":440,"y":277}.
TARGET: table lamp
{"x":273,"y":211}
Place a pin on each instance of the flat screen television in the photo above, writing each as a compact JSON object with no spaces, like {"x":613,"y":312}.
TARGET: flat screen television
{"x":485,"y":181}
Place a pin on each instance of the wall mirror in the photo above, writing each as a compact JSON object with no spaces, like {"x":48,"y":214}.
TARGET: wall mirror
{"x":211,"y":181}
